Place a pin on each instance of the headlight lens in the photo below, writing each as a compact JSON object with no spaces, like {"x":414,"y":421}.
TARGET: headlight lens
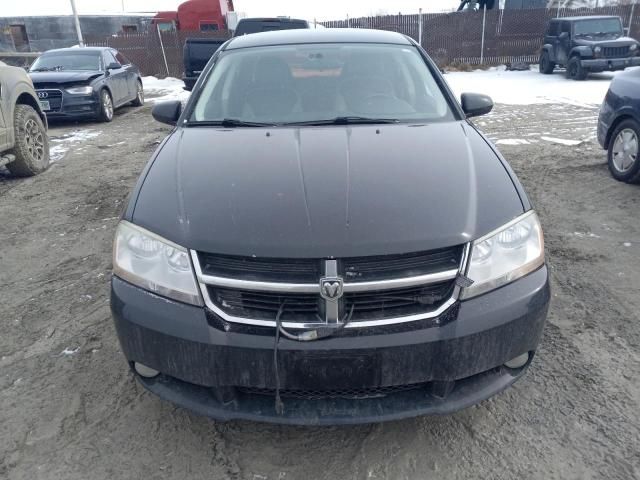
{"x":633,"y":47}
{"x":597,"y":49}
{"x":153,"y":263}
{"x":80,"y":90}
{"x":505,"y":255}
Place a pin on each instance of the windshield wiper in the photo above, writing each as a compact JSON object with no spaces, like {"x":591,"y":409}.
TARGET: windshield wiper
{"x":228,"y":123}
{"x":349,"y":120}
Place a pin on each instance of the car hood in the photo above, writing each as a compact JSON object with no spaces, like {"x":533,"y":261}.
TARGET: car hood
{"x":326,"y":191}
{"x":606,"y":42}
{"x":64,"y":76}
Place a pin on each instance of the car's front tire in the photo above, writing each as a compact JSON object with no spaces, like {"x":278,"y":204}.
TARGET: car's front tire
{"x":31,"y":143}
{"x":575,"y":70}
{"x":624,"y":147}
{"x":139,"y":100}
{"x":106,"y":106}
{"x":546,"y":65}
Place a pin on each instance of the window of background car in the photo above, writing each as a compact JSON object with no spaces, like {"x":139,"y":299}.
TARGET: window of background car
{"x":600,"y":26}
{"x":304,"y":83}
{"x":122,"y":60}
{"x":87,"y":60}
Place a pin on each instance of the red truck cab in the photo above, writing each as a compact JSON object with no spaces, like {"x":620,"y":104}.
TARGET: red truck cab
{"x":195,"y":15}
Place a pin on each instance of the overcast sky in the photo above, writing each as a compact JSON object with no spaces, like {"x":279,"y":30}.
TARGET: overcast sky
{"x":320,"y":9}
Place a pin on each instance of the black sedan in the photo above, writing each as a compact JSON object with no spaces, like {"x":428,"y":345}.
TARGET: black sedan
{"x":619,"y":126}
{"x":85,"y":82}
{"x":313,"y":246}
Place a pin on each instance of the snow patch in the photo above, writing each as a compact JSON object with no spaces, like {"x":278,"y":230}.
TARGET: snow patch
{"x":70,"y":351}
{"x":61,"y":145}
{"x":527,"y":88}
{"x":512,"y":141}
{"x":160,"y":90}
{"x":562,"y":141}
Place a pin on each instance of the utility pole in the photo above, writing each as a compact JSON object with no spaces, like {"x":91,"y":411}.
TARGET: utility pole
{"x":77,"y":22}
{"x":420,"y":26}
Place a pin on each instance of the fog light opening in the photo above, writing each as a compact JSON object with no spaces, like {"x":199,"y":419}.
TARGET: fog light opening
{"x":144,"y":371}
{"x":518,"y":362}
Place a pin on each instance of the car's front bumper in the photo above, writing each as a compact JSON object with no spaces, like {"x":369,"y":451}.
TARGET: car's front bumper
{"x":611,"y":64}
{"x":74,"y":106}
{"x":217,"y":371}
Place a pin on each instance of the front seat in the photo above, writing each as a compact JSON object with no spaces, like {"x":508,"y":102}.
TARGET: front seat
{"x":271,"y":95}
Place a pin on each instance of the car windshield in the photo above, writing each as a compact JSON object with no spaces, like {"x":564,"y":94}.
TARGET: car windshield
{"x":67,"y":61}
{"x":315,"y":83}
{"x":600,"y":26}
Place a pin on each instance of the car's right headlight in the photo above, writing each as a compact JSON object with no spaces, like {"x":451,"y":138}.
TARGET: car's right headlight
{"x":151,"y":262}
{"x":80,"y":90}
{"x":509,"y":253}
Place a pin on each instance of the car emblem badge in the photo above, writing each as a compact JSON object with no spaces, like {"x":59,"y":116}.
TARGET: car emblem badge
{"x":43,"y":94}
{"x":331,"y":288}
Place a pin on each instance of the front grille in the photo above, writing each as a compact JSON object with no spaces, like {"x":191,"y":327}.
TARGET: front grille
{"x":54,"y":97}
{"x":346,"y":393}
{"x":302,"y":308}
{"x":356,"y":269}
{"x":363,"y":269}
{"x":378,"y":290}
{"x":261,"y":269}
{"x":374,"y":305}
{"x":308,"y":307}
{"x":615,"y":52}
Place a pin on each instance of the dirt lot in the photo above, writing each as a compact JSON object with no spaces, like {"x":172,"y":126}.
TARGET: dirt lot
{"x":70,"y":409}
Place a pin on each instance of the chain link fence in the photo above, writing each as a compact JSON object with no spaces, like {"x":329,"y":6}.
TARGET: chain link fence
{"x":154,"y":53}
{"x":493,"y":37}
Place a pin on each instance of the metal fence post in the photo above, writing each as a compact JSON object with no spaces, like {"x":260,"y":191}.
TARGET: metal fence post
{"x":348,"y":23}
{"x":484,"y":22}
{"x":420,"y":26}
{"x":164,"y":55}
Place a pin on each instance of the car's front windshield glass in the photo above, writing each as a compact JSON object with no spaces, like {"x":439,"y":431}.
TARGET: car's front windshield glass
{"x":319,"y":82}
{"x":67,"y":61}
{"x":600,"y":26}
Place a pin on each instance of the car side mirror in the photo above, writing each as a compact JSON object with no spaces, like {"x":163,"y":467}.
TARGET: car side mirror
{"x":626,"y":31}
{"x":167,"y":112}
{"x":563,"y":35}
{"x":114,"y":66}
{"x":476,"y":104}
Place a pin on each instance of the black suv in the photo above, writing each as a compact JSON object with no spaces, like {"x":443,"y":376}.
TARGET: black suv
{"x":587,"y":44}
{"x":326,"y":238}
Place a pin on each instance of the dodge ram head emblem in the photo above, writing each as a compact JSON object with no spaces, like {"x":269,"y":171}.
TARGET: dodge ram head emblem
{"x":331,"y":288}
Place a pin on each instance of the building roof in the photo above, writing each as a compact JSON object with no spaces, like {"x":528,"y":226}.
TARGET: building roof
{"x":311,"y":35}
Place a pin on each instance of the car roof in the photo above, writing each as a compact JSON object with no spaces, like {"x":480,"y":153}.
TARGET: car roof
{"x":311,"y":35}
{"x":78,"y":49}
{"x":586,"y":17}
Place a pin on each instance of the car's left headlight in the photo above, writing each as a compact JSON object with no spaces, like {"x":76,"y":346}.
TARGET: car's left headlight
{"x":633,"y":47}
{"x":509,"y":253}
{"x":151,"y":262}
{"x":80,"y":90}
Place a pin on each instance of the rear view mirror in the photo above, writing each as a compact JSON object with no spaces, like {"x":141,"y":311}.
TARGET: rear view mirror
{"x":476,"y":104}
{"x":626,"y":31}
{"x":114,"y":66}
{"x":563,"y":35}
{"x":167,"y":112}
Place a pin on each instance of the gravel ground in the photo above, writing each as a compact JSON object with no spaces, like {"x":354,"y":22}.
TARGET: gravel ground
{"x":70,"y":409}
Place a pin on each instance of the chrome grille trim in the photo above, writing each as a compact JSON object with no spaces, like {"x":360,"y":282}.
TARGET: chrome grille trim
{"x":205,"y":280}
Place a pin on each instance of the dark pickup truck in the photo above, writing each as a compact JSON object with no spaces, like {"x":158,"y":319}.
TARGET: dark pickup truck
{"x":196,"y":54}
{"x":198,"y":51}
